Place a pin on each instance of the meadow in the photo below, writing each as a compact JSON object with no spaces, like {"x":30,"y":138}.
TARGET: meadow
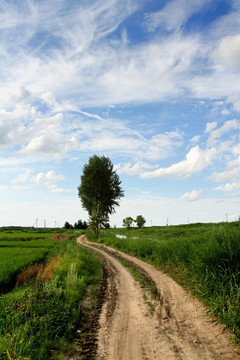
{"x":204,"y":258}
{"x":40,"y":317}
{"x":18,"y":250}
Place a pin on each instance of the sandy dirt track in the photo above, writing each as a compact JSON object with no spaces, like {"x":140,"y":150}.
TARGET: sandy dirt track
{"x":177,"y":329}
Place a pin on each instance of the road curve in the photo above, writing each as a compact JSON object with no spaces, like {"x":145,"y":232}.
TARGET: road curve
{"x":178,"y":329}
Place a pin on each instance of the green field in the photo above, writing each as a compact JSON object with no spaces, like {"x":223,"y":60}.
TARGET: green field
{"x":39,"y":319}
{"x":11,"y":233}
{"x":204,"y":258}
{"x":15,"y":255}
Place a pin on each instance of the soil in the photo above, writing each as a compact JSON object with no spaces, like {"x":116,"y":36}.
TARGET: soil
{"x":133,"y":326}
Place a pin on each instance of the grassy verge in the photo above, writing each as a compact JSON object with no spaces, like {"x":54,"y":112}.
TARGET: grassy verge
{"x":202,"y":257}
{"x":38,"y":320}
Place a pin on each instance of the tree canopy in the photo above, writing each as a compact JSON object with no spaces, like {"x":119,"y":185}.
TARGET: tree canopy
{"x":140,"y":221}
{"x":127,"y":222}
{"x":99,"y":190}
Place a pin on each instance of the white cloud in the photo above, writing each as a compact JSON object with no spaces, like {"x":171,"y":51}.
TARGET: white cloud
{"x":8,"y":128}
{"x":225,"y":112}
{"x":210,"y":126}
{"x":100,"y":135}
{"x":47,"y":179}
{"x":196,"y":161}
{"x":192,"y":196}
{"x":228,"y":51}
{"x":48,"y":98}
{"x":57,"y":190}
{"x":11,"y":96}
{"x":22,"y":178}
{"x":235,"y":100}
{"x":136,"y":169}
{"x":227,"y":127}
{"x":229,"y":187}
{"x":231,"y":172}
{"x":195,"y":139}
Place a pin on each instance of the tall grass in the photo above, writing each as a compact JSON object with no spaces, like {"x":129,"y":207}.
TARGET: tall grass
{"x":40,"y":318}
{"x":203,"y":257}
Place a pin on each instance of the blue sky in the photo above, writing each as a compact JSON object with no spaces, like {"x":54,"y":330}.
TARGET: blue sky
{"x":154,"y":85}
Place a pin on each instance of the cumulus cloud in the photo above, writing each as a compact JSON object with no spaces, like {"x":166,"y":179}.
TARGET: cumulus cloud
{"x":228,"y":51}
{"x":192,"y":196}
{"x":10,"y":96}
{"x":228,"y":187}
{"x":196,"y":161}
{"x":47,"y":179}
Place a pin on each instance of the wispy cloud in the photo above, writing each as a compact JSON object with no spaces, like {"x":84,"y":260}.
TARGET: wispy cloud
{"x":174,"y":14}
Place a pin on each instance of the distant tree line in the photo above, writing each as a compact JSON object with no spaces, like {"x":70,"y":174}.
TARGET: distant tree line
{"x":128,"y":221}
{"x":77,"y":225}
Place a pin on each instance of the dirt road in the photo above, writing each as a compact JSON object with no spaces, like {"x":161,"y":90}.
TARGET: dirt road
{"x":177,"y":327}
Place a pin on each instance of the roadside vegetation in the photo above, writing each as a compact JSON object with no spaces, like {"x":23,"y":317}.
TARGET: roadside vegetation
{"x":44,"y":312}
{"x":204,"y":258}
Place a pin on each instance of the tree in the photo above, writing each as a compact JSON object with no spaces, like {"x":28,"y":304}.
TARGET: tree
{"x":80,"y":225}
{"x":127,"y":222}
{"x":67,"y":225}
{"x":99,"y":190}
{"x":140,"y":221}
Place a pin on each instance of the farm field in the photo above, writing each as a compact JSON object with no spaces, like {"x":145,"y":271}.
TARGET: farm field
{"x":39,"y":318}
{"x":18,"y":250}
{"x":204,"y":258}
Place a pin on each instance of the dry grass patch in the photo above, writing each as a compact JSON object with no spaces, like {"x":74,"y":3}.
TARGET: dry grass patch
{"x":39,"y":270}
